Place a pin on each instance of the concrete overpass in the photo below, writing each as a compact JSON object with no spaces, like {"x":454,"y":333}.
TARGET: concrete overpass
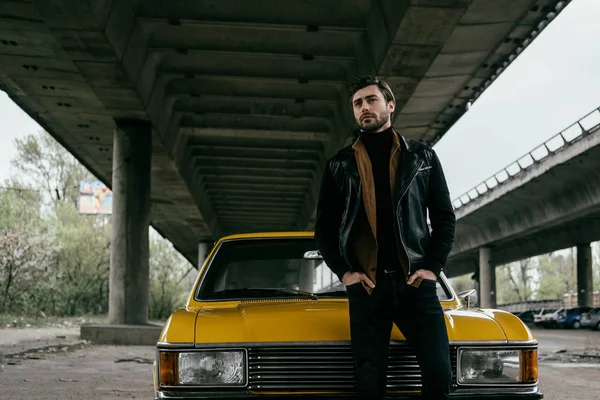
{"x":547,"y":200}
{"x":212,"y":117}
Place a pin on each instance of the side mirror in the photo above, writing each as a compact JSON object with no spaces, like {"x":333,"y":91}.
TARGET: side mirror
{"x":469,"y":297}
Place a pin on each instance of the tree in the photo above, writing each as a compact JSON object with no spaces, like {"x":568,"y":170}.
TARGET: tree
{"x":514,"y":282}
{"x":81,"y":263}
{"x":168,"y":269}
{"x":49,"y":167}
{"x":556,"y":276}
{"x":25,"y":249}
{"x":462,"y":283}
{"x":57,"y":260}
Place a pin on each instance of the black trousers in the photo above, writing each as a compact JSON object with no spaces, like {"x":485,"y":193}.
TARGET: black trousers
{"x":418,"y":315}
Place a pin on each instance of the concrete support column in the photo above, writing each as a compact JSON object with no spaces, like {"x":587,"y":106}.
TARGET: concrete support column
{"x":585,"y":279}
{"x":203,"y":249}
{"x":129,"y":276}
{"x":487,"y":279}
{"x":307,"y":276}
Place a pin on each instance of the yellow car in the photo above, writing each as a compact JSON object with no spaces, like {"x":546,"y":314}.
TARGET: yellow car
{"x":267,"y":319}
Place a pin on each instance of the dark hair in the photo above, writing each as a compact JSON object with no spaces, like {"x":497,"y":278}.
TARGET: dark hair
{"x":364,"y":81}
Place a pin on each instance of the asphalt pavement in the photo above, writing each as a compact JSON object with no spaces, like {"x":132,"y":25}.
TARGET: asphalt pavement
{"x":94,"y":372}
{"x":552,"y":340}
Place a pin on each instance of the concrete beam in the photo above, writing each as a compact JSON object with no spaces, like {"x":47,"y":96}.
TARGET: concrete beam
{"x":579,"y":200}
{"x":250,"y":191}
{"x":256,"y":207}
{"x":248,"y":106}
{"x":262,"y":89}
{"x":238,"y":219}
{"x":255,"y":134}
{"x":257,"y":214}
{"x":253,"y":172}
{"x":232,"y":202}
{"x":286,"y":153}
{"x":584,"y":230}
{"x":259,"y":38}
{"x":315,"y":14}
{"x":254,"y":66}
{"x":265,"y":187}
{"x":256,"y":197}
{"x":298,"y":120}
{"x":243,"y":162}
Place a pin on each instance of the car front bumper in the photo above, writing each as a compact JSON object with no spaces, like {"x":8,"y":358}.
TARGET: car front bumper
{"x":529,"y":394}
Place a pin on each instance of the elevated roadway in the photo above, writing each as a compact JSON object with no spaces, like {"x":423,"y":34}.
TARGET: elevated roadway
{"x":547,"y":200}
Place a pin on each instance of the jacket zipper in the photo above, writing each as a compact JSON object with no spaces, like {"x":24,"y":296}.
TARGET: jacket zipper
{"x":414,"y":174}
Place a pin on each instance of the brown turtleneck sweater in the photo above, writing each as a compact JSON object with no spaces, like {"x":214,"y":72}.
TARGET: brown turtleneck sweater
{"x":378,"y":146}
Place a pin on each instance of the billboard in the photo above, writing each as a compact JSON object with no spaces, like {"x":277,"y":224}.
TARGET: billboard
{"x":94,"y":197}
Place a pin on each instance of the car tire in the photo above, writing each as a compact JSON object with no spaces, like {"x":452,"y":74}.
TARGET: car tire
{"x":598,"y":326}
{"x":576,"y":325}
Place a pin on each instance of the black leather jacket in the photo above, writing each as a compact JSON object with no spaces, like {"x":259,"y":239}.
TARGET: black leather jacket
{"x":421,"y":187}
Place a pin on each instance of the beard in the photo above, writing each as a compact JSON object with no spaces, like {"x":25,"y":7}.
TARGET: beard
{"x":375,"y":123}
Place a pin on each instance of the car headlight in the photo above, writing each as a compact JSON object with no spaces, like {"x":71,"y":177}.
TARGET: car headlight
{"x":496,"y":366}
{"x":203,"y":368}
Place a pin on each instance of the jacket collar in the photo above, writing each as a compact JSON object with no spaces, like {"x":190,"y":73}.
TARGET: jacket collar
{"x":398,"y":144}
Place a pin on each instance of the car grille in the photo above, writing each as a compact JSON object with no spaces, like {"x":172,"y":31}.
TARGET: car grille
{"x":325,"y":367}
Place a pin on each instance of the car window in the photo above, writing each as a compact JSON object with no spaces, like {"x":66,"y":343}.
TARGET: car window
{"x":272,"y":263}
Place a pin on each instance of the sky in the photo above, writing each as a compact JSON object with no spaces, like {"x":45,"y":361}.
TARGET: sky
{"x":552,"y":84}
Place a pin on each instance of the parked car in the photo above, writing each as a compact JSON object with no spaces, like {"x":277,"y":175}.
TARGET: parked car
{"x":571,"y":318}
{"x":591,"y":319}
{"x":526,"y":316}
{"x":266,"y":320}
{"x":538,"y":316}
{"x":549,"y":318}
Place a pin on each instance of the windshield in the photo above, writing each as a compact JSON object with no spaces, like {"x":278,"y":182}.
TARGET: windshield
{"x":271,"y":268}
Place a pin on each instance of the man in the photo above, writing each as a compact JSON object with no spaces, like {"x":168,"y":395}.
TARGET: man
{"x":371,"y":229}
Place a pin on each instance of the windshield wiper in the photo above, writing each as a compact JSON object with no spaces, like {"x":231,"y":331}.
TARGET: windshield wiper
{"x":335,"y":293}
{"x":268,"y":291}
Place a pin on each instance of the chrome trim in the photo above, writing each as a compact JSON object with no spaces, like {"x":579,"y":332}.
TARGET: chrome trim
{"x":479,"y":342}
{"x":173,"y":345}
{"x":274,"y":344}
{"x":199,"y":395}
{"x":457,"y":393}
{"x":523,"y":342}
{"x":473,"y":343}
{"x":495,"y":385}
{"x":323,"y":369}
{"x":215,"y":350}
{"x":496,"y":390}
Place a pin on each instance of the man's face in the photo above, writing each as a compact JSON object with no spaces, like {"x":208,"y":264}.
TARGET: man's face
{"x":371,"y":111}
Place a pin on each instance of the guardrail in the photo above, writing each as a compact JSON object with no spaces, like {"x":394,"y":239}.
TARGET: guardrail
{"x":584,"y":126}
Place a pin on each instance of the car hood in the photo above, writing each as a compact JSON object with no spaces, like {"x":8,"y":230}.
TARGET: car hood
{"x":315,"y":321}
